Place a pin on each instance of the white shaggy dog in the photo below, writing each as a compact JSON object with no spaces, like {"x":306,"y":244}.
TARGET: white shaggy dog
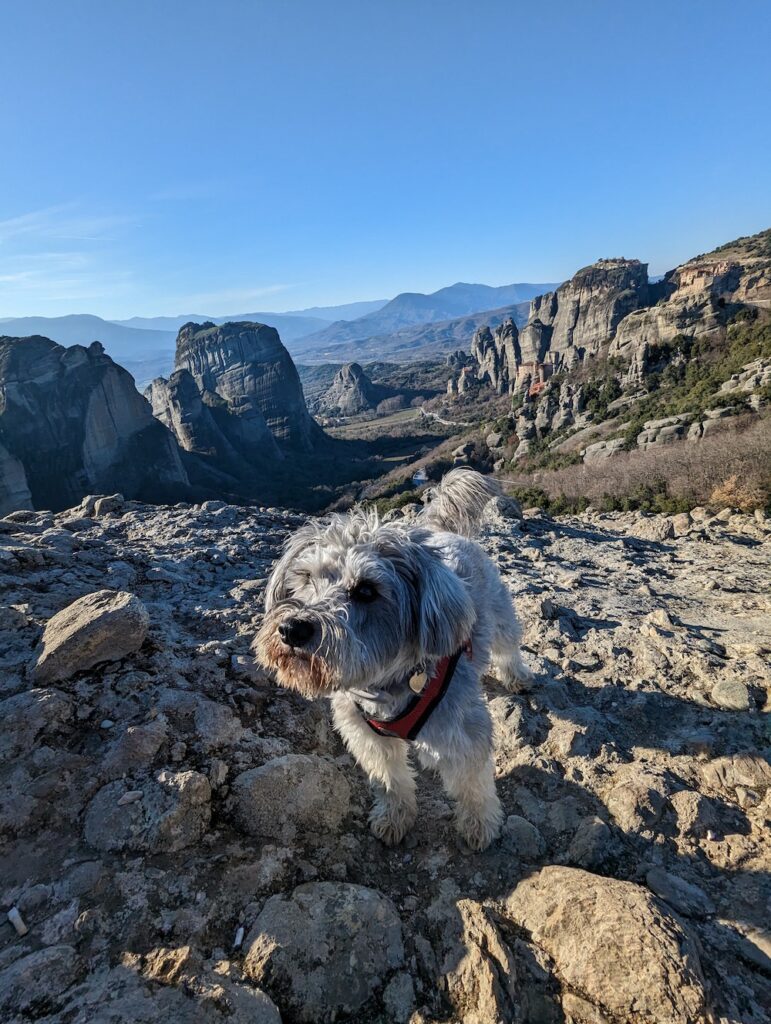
{"x":369,"y":612}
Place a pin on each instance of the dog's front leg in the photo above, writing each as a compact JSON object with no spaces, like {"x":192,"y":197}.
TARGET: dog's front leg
{"x":387,"y":767}
{"x":471,"y":783}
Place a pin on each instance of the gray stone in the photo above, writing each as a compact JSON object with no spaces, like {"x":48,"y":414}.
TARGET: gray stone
{"x":103,"y":626}
{"x":731,"y":694}
{"x":27,"y":715}
{"x":34,"y":983}
{"x":172,"y":811}
{"x":399,"y":998}
{"x":136,"y":748}
{"x":325,"y":950}
{"x":682,"y":896}
{"x":655,"y":528}
{"x":522,"y":838}
{"x":291,"y":794}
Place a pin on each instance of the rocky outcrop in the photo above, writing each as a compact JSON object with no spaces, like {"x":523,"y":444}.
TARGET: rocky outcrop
{"x":72,"y":422}
{"x":701,"y":294}
{"x":584,"y":313}
{"x":352,"y":392}
{"x":216,"y":833}
{"x":663,"y":431}
{"x":612,"y":306}
{"x":233,"y":435}
{"x":580,"y":317}
{"x":601,"y":450}
{"x":246,"y":365}
{"x":236,"y":407}
{"x":497,"y":355}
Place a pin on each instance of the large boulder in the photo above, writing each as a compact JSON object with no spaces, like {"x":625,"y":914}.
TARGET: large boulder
{"x":291,"y":794}
{"x":325,"y":950}
{"x":613,"y":944}
{"x":103,"y":626}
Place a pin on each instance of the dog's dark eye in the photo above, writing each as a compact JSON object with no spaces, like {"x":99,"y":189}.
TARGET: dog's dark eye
{"x":362,"y":593}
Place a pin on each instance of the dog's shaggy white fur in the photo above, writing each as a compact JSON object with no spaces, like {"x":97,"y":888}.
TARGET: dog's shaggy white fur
{"x":356,"y":606}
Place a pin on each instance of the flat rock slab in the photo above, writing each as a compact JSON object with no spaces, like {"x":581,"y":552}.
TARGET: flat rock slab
{"x":325,"y":950}
{"x":103,"y":626}
{"x":613,"y":944}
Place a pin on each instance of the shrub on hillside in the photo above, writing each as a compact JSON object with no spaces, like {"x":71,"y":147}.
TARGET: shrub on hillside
{"x":671,"y":478}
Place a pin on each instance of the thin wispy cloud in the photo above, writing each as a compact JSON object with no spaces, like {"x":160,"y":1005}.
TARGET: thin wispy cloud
{"x":60,"y":254}
{"x":66,"y":222}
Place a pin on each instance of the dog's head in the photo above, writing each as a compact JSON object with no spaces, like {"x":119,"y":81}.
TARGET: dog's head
{"x":355,"y":602}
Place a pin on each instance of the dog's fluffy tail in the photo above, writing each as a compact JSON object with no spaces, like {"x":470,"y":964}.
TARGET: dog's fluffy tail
{"x":458,"y":502}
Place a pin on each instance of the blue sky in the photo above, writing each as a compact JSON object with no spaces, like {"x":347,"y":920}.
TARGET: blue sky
{"x":214,"y":157}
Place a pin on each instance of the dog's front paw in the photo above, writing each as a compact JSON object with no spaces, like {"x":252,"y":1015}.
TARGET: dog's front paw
{"x":480,"y":829}
{"x":390,"y":824}
{"x":514,"y":676}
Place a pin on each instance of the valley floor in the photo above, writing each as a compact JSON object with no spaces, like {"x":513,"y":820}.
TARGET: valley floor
{"x":160,"y":877}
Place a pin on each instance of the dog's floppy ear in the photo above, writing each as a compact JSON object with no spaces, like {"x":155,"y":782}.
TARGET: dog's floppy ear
{"x":278,"y":585}
{"x":445,"y":612}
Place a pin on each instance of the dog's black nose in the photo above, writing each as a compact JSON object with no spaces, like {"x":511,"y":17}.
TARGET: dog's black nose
{"x":296,"y":632}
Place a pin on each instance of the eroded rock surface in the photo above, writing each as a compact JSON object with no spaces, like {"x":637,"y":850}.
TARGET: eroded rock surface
{"x":185,"y":841}
{"x":612,"y":944}
{"x":103,"y":626}
{"x":71,"y":421}
{"x":326,"y":949}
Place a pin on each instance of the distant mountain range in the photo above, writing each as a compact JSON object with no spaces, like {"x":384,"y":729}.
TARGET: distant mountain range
{"x":419,"y":341}
{"x":145,"y":345}
{"x":294,"y":323}
{"x":411,"y":308}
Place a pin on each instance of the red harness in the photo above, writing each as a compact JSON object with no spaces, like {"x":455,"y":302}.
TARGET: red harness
{"x":408,"y":724}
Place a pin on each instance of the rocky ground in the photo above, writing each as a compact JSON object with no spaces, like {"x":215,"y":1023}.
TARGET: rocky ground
{"x":184,"y":841}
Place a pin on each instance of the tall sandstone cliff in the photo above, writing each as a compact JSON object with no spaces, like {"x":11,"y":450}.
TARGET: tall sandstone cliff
{"x":235,"y":405}
{"x":247,"y":366}
{"x":612,"y":307}
{"x":72,"y":422}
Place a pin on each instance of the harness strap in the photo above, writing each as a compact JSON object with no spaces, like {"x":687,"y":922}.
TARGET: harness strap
{"x":408,"y":724}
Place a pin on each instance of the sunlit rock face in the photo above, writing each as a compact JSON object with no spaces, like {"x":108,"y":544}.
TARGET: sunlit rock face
{"x":247,"y":366}
{"x":563,"y":326}
{"x":209,"y":426}
{"x":585,"y":312}
{"x":701,"y":295}
{"x":72,"y":423}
